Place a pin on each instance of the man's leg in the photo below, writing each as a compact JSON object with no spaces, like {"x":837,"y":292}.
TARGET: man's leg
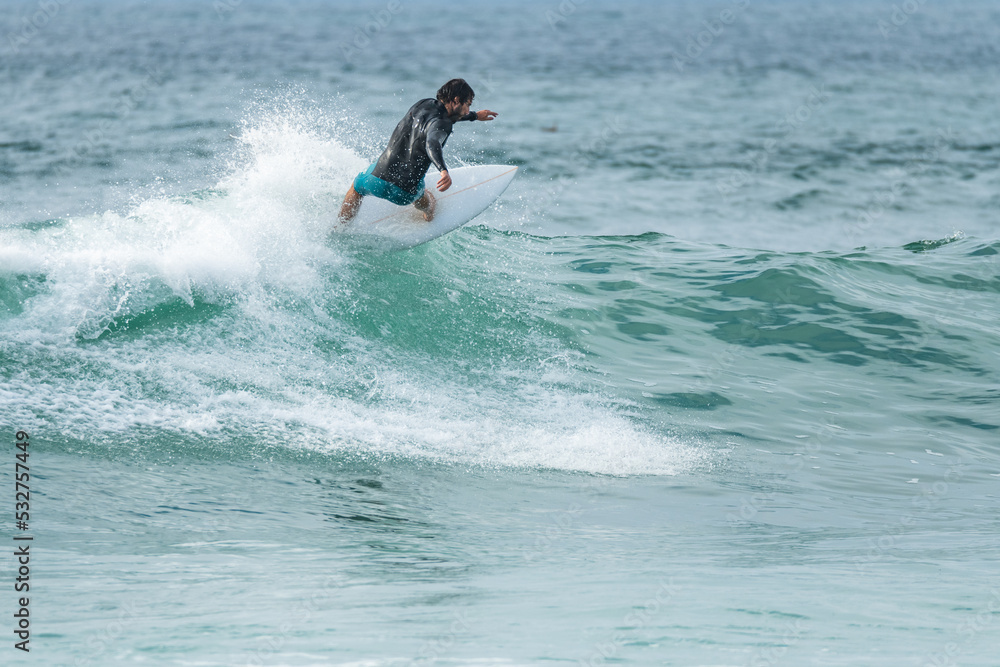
{"x":352,"y":201}
{"x":427,"y":205}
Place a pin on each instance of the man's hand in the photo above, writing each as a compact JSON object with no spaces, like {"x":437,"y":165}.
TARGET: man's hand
{"x":444,"y":182}
{"x":486,"y":114}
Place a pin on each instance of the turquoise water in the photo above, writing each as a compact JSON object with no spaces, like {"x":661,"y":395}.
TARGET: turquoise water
{"x":715,"y":382}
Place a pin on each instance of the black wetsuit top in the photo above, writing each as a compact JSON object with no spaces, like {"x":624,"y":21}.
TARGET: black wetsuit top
{"x":416,"y":143}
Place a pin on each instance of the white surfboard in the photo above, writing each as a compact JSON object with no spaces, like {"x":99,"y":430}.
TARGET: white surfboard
{"x":472,"y":191}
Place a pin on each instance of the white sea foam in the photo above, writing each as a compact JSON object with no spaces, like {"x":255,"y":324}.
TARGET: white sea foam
{"x":262,"y":227}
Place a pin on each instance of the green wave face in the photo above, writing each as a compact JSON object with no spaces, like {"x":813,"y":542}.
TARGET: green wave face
{"x":620,"y":355}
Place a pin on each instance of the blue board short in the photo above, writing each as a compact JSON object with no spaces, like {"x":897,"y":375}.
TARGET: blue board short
{"x":366,"y":184}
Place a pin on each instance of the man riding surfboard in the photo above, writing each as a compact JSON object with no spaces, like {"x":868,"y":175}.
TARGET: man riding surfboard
{"x":416,"y":143}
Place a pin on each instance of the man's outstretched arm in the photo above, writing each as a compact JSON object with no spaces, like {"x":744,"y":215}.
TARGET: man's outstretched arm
{"x":485,"y":114}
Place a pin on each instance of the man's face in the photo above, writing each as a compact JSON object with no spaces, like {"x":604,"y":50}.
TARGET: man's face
{"x":458,"y":108}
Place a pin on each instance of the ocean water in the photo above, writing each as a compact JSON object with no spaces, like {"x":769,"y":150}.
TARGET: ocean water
{"x":716,"y":382}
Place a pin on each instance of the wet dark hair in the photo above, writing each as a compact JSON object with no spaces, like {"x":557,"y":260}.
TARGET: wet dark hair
{"x":456,"y":88}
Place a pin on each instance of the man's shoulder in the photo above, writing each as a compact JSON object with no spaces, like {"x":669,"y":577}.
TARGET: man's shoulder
{"x":429,"y":112}
{"x":423,"y":106}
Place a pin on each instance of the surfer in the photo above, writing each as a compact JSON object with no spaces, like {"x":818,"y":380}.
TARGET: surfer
{"x":398,"y":175}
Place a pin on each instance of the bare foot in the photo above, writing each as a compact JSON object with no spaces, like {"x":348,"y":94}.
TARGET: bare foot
{"x":352,"y":202}
{"x":427,"y":204}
